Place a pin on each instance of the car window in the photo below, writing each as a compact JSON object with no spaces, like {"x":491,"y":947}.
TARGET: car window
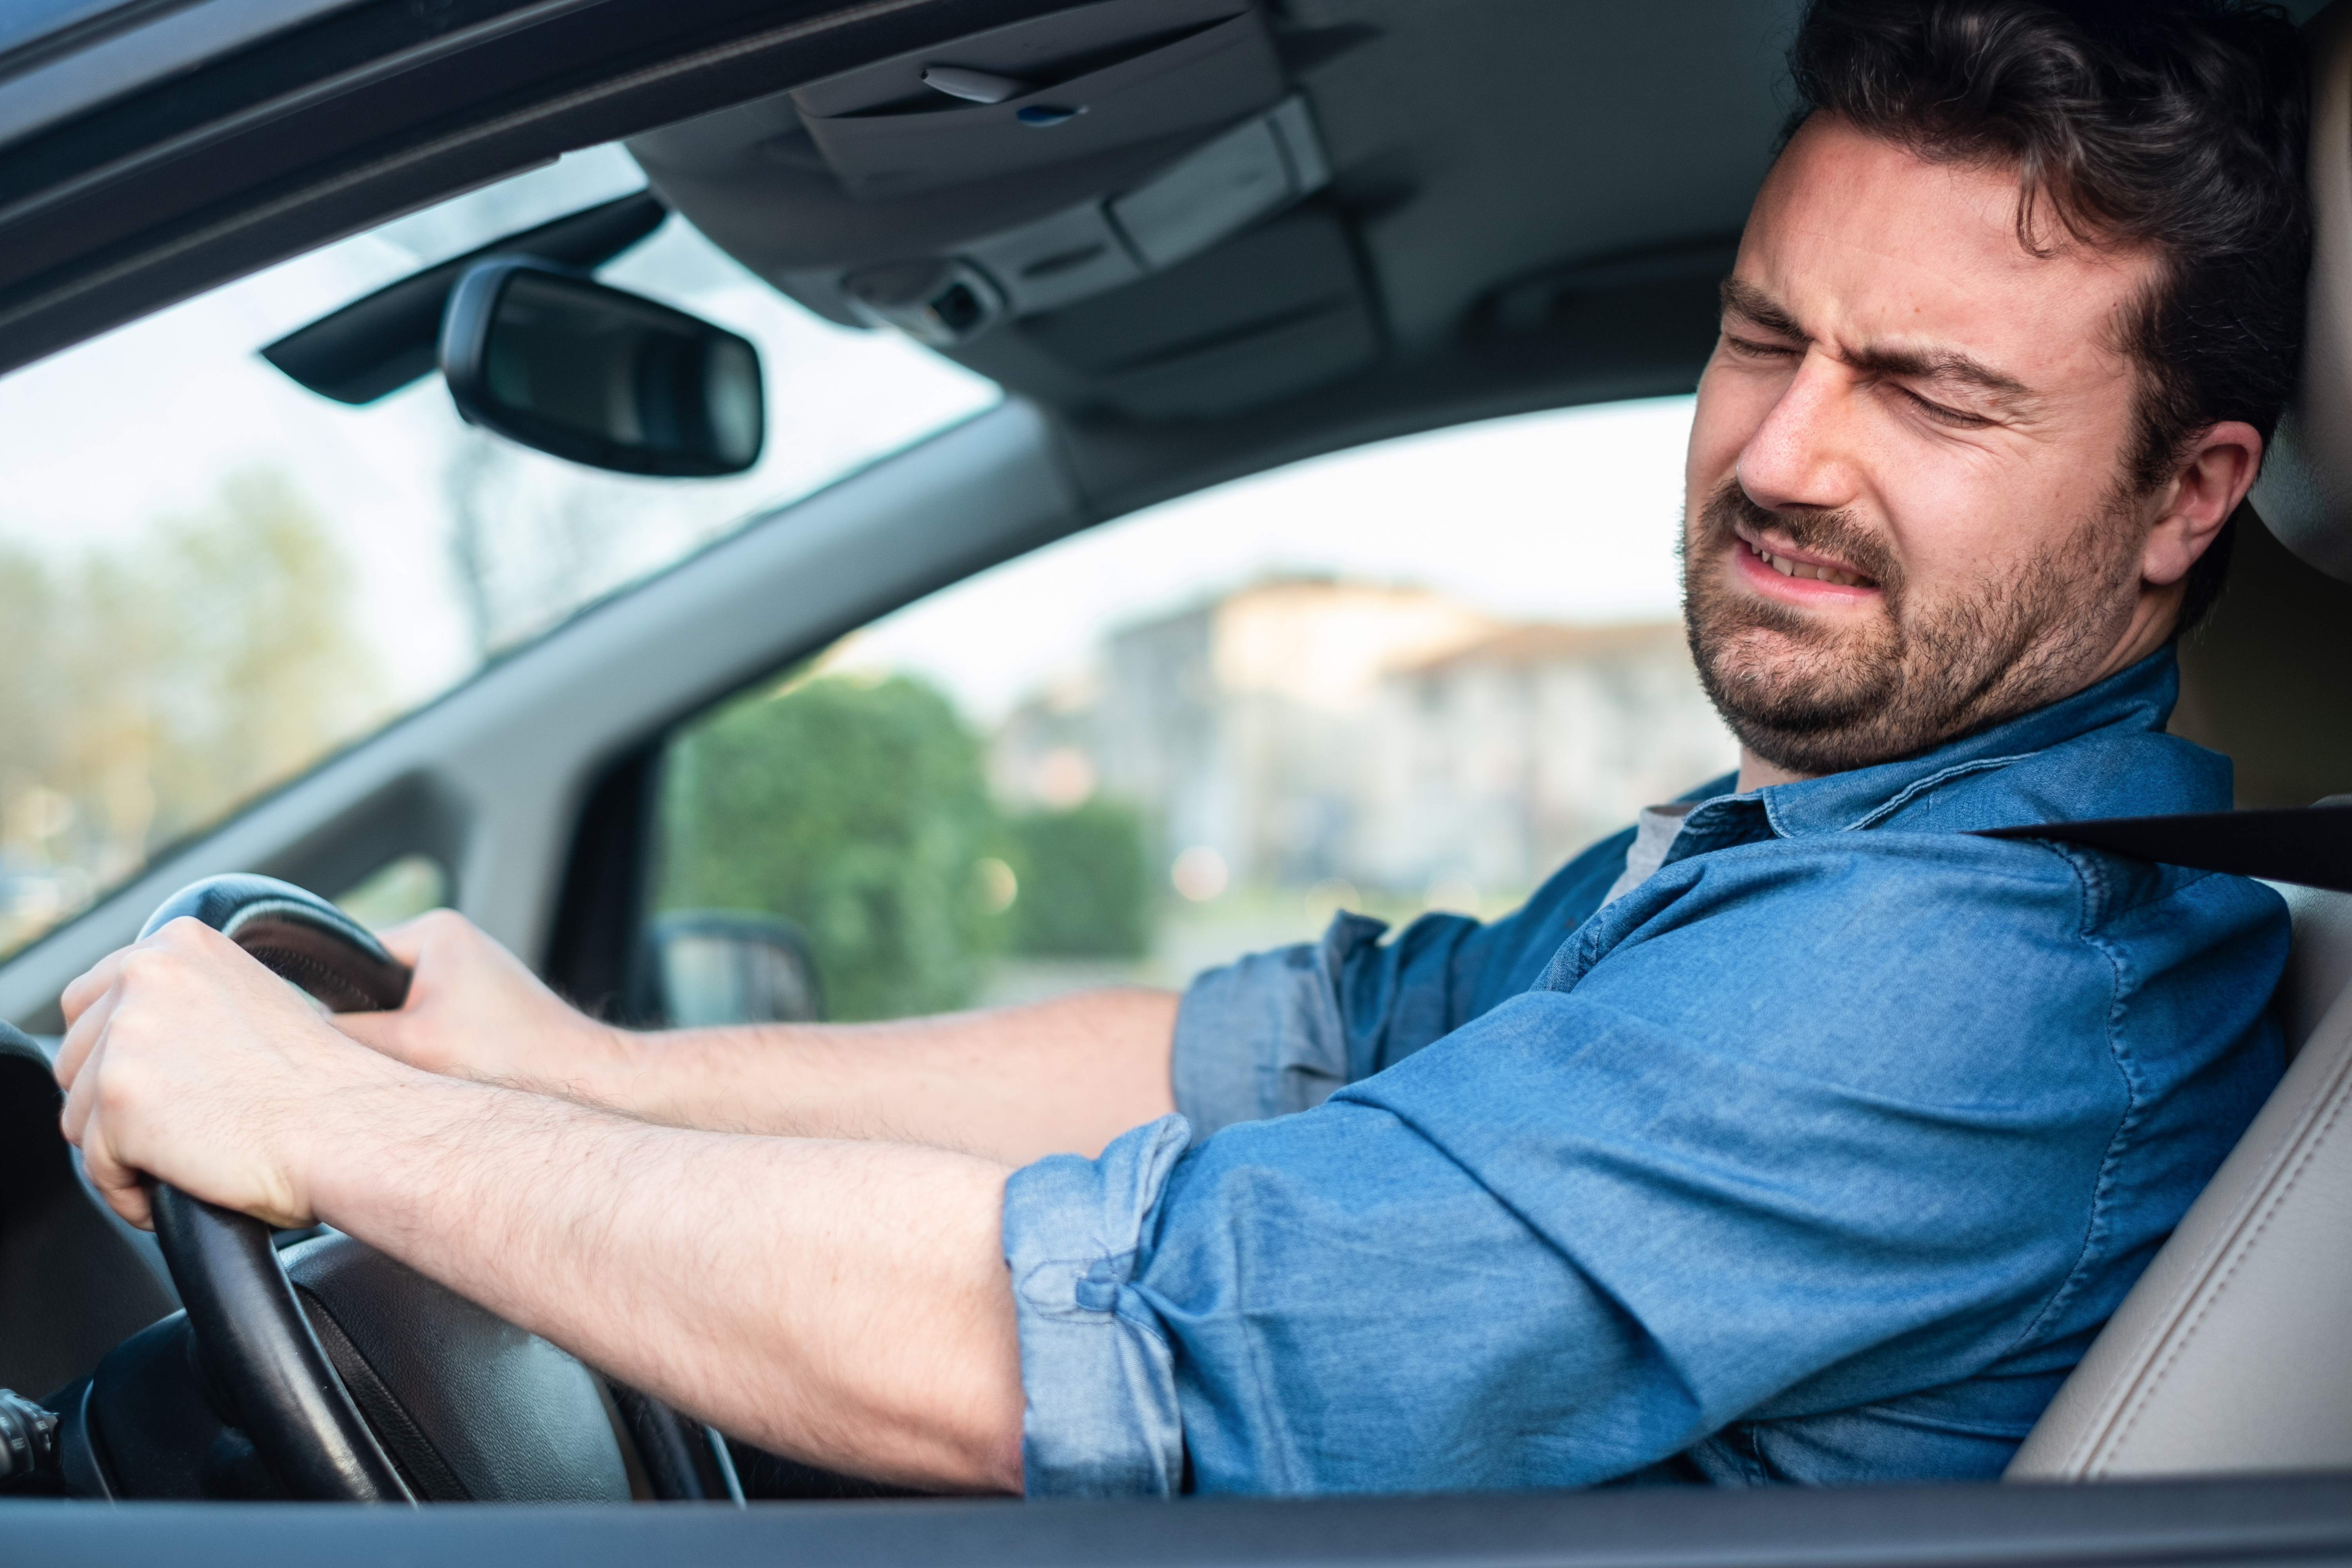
{"x":212,"y":578}
{"x":1413,"y":675}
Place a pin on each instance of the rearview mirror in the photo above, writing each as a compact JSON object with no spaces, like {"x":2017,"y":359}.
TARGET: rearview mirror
{"x":557,"y":360}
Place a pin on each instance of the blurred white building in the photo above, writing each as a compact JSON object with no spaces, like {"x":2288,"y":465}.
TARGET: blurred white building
{"x":1305,"y":729}
{"x":1497,"y":761}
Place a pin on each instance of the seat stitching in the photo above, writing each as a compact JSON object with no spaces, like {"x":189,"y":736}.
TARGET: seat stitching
{"x":2240,"y":1249}
{"x":2241,"y":1244}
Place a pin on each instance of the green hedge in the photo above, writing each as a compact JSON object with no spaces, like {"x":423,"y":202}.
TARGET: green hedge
{"x":1086,"y":885}
{"x":858,"y":809}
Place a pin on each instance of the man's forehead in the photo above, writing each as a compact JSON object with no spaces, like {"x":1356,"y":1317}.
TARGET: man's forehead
{"x":1864,"y":245}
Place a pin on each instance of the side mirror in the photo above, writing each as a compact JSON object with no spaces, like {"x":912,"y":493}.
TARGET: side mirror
{"x":557,"y":360}
{"x":731,"y":966}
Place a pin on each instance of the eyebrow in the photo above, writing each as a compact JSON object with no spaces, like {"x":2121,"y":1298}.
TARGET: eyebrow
{"x":1744,"y":299}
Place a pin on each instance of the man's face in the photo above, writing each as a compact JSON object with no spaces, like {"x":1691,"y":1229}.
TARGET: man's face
{"x":1906,"y":509}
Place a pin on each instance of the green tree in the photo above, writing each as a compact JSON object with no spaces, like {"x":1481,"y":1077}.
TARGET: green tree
{"x":1086,"y":883}
{"x":255,"y":670}
{"x":855,"y":809}
{"x":155,"y":685}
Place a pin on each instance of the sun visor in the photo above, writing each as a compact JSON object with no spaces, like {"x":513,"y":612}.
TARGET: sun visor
{"x":1014,"y":172}
{"x":2305,"y":490}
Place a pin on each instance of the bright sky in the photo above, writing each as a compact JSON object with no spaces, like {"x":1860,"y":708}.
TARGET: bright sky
{"x":1566,"y":516}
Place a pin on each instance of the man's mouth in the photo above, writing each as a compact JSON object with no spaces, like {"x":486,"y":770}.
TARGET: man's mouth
{"x":1803,"y":565}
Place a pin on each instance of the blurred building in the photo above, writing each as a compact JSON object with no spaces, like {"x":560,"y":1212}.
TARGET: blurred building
{"x":1498,"y":761}
{"x":1305,"y":729}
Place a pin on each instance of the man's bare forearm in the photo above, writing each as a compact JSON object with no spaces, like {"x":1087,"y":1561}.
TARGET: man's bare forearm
{"x":1012,"y":1084}
{"x":843,"y":1303}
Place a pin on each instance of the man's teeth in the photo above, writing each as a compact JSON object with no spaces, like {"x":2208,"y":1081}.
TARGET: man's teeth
{"x":1788,"y":568}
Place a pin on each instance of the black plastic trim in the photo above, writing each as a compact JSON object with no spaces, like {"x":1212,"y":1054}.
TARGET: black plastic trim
{"x":593,"y":954}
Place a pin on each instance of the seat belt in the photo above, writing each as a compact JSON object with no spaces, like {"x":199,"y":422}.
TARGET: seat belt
{"x":2310,"y":845}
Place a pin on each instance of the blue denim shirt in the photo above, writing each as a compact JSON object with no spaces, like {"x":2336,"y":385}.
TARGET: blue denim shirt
{"x":1819,"y":1156}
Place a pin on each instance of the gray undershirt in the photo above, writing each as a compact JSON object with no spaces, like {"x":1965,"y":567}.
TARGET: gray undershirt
{"x":1654,"y":834}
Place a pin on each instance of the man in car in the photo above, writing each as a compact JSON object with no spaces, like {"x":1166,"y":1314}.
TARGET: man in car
{"x":1797,"y":1134}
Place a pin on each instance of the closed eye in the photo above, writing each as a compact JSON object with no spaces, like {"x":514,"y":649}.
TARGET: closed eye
{"x":1959,"y":419}
{"x":1755,"y":350}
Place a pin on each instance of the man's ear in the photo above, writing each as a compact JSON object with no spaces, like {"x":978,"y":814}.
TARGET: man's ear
{"x":2202,"y":493}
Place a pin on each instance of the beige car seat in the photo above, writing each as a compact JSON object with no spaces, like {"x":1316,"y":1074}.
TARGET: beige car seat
{"x":2234,"y":1350}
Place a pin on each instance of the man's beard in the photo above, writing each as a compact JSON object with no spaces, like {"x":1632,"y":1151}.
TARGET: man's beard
{"x":1817,"y":697}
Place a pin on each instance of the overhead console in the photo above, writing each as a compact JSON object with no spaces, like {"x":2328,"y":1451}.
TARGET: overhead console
{"x":959,"y":192}
{"x":1045,"y":91}
{"x":1091,"y":246}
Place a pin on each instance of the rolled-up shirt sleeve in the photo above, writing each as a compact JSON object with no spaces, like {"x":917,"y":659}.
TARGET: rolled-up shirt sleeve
{"x":1325,"y":1302}
{"x":1096,"y":1372}
{"x":1264,"y":1036}
{"x":1277,"y":1032}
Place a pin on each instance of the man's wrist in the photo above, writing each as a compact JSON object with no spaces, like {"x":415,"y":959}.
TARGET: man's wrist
{"x":381,"y":1144}
{"x":603,"y":1065}
{"x":362,"y":1109}
{"x":684,"y":1078}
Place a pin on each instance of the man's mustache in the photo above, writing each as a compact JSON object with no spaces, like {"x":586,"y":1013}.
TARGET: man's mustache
{"x":1838,"y":535}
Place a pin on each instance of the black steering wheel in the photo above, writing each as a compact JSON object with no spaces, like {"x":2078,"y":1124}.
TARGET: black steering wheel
{"x":355,"y":1378}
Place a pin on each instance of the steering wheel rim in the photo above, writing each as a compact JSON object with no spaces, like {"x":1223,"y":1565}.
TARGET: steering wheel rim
{"x":293,"y":1407}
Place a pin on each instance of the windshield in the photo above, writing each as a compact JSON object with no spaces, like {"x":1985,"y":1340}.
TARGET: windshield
{"x":212,"y":578}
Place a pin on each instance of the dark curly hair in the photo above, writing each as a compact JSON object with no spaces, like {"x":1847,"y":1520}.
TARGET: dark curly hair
{"x":2179,"y":124}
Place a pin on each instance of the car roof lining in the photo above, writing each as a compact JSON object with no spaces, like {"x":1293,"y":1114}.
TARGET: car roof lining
{"x":1431,"y":214}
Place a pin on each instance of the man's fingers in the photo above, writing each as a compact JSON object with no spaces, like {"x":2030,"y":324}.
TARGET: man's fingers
{"x":73,"y":1117}
{"x":90,"y":985}
{"x":408,"y":941}
{"x":84,"y":1033}
{"x":124,"y":1189}
{"x":81,"y":1100}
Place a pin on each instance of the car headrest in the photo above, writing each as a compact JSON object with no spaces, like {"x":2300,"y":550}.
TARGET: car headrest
{"x":2305,"y":490}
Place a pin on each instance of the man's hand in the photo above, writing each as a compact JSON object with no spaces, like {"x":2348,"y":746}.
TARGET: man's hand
{"x":842,"y":1303}
{"x":186,"y":1060}
{"x":475,"y":1011}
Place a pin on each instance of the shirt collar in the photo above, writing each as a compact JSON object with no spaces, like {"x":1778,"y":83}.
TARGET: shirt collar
{"x":2138,"y":699}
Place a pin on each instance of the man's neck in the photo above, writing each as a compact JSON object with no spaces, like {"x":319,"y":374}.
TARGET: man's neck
{"x":1755,"y":772}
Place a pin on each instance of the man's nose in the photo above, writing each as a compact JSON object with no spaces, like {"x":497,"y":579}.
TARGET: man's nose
{"x":1803,"y":456}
